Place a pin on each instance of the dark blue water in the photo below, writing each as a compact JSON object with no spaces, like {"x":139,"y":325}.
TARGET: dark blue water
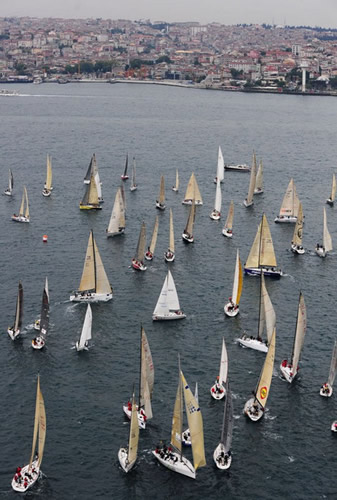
{"x":291,"y":452}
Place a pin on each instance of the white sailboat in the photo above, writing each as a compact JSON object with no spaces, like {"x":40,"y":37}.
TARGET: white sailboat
{"x":289,"y":370}
{"x":259,"y":180}
{"x":216,"y":212}
{"x":150,"y":251}
{"x":254,"y":407}
{"x":322,"y":250}
{"x":249,"y":201}
{"x":133,"y":186}
{"x":83,"y":342}
{"x":26,"y":476}
{"x":116,"y":225}
{"x":170,"y":254}
{"x":160,"y":202}
{"x":296,"y":242}
{"x":138,"y":260}
{"x":40,"y":341}
{"x":94,"y":285}
{"x":127,"y":456}
{"x":172,"y":457}
{"x":326,"y":388}
{"x":289,"y":208}
{"x":9,"y":190}
{"x":24,"y":209}
{"x":146,"y":383}
{"x":330,"y":201}
{"x":187,"y":235}
{"x":222,"y":455}
{"x":90,"y":200}
{"x":186,"y":436}
{"x":220,"y":170}
{"x":192,"y":192}
{"x":168,"y":306}
{"x":176,"y":187}
{"x":218,"y":388}
{"x":240,"y":167}
{"x":124,"y":175}
{"x":47,"y":189}
{"x":267,"y":321}
{"x":228,"y":228}
{"x":232,"y":307}
{"x":15,"y":330}
{"x":262,"y":256}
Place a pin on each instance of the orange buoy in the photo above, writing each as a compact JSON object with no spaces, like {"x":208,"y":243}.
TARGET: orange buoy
{"x":45,"y":238}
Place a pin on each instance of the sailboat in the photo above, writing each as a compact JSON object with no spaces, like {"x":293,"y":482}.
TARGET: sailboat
{"x":83,"y":342}
{"x":150,"y":251}
{"x":39,"y":341}
{"x":289,"y":370}
{"x":160,"y":203}
{"x":24,"y":209}
{"x":127,"y":456}
{"x":296,"y":242}
{"x":220,"y":170}
{"x":9,"y":190}
{"x":228,"y":228}
{"x":94,"y":285}
{"x":187,"y":235}
{"x":334,"y":426}
{"x":172,"y":457}
{"x":125,"y":176}
{"x":186,"y":436}
{"x":267,"y":320}
{"x":322,"y":250}
{"x":176,"y":187}
{"x":146,"y":383}
{"x":90,"y":199}
{"x":168,"y":306}
{"x":15,"y":330}
{"x":262,"y":256}
{"x":326,"y":389}
{"x":133,"y":186}
{"x":138,"y":260}
{"x":218,"y":388}
{"x":222,"y":455}
{"x":192,"y":192}
{"x":26,"y":476}
{"x":331,"y":199}
{"x":254,"y":407}
{"x":290,"y":204}
{"x":232,"y":307}
{"x":93,"y":170}
{"x":170,"y":254}
{"x":216,"y":213}
{"x":117,"y":220}
{"x":259,"y":180}
{"x":49,"y":179}
{"x":249,"y":201}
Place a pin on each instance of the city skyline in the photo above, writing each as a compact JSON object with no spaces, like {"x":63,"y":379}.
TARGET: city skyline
{"x":302,"y":12}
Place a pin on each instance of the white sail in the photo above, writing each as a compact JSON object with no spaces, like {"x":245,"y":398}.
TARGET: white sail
{"x":117,"y":219}
{"x":146,"y":376}
{"x":251,"y":188}
{"x":259,"y":179}
{"x":218,"y":197}
{"x":10,"y":181}
{"x":267,"y":317}
{"x":49,"y":177}
{"x":220,"y":173}
{"x":327,"y":241}
{"x":227,"y":424}
{"x":171,"y":239}
{"x":223,"y":372}
{"x":237,"y":283}
{"x":168,"y":299}
{"x":86,"y":329}
{"x":333,"y":365}
{"x":97,"y":179}
{"x":141,"y":243}
{"x":176,"y":187}
{"x":301,"y":327}
{"x":134,"y":434}
{"x":134,"y":184}
{"x":40,"y":424}
{"x":333,"y":189}
{"x":290,"y":201}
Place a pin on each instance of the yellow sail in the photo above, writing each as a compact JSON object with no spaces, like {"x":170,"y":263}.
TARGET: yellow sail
{"x":290,"y":201}
{"x":193,"y":190}
{"x":230,"y":216}
{"x":134,"y":433}
{"x":146,"y":376}
{"x":263,"y":386}
{"x":177,"y":420}
{"x":297,"y":236}
{"x":177,"y":180}
{"x":190,"y":220}
{"x":49,"y":177}
{"x":327,"y":241}
{"x":252,"y":181}
{"x":267,"y":316}
{"x":333,"y":188}
{"x":141,"y":243}
{"x":161,"y":198}
{"x":262,"y":251}
{"x":195,"y":424}
{"x":102,"y":282}
{"x":27,"y":205}
{"x":39,"y":425}
{"x":237,"y":284}
{"x":171,"y":242}
{"x":22,"y":206}
{"x":88,"y":273}
{"x":121,"y":208}
{"x":93,"y":194}
{"x":154,"y":235}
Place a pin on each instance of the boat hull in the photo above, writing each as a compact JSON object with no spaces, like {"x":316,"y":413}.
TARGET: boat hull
{"x":326,"y":391}
{"x":250,"y":412}
{"x":20,"y":487}
{"x":149,"y":256}
{"x":330,"y":202}
{"x":80,"y":348}
{"x":248,"y":203}
{"x":187,"y":238}
{"x":217,"y":391}
{"x":140,"y":415}
{"x":92,"y":297}
{"x":124,"y":177}
{"x":287,"y":372}
{"x":38,"y":343}
{"x":91,"y":207}
{"x":46,"y":193}
{"x":118,"y":233}
{"x":169,"y":316}
{"x":267,"y":271}
{"x":215,"y":215}
{"x":123,"y":460}
{"x":230,"y":310}
{"x":320,"y":252}
{"x":189,"y":202}
{"x":8,"y":193}
{"x":176,"y":464}
{"x":258,"y":191}
{"x":297,"y":249}
{"x":258,"y":345}
{"x":20,"y":218}
{"x":334,"y":426}
{"x":169,"y":256}
{"x":285,"y":219}
{"x":160,"y":206}
{"x":227,"y":232}
{"x":175,"y":189}
{"x":138,"y":266}
{"x":238,"y":168}
{"x":133,"y":188}
{"x":13,"y":335}
{"x":222,"y":462}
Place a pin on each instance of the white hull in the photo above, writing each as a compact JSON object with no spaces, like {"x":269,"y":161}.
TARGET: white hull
{"x":175,"y":189}
{"x":258,"y":191}
{"x":231,"y":311}
{"x":334,"y":426}
{"x":186,"y":438}
{"x":160,"y":206}
{"x":287,"y":373}
{"x":320,"y":252}
{"x":286,"y":219}
{"x":177,"y":464}
{"x":37,"y":325}
{"x":8,"y":193}
{"x":169,"y":316}
{"x":189,"y":202}
{"x":326,"y":390}
{"x":249,"y":410}
{"x":20,"y":218}
{"x":148,"y":256}
{"x":215,"y":215}
{"x":169,"y":256}
{"x":90,"y":297}
{"x":38,"y":343}
{"x":258,"y":345}
{"x":30,"y":482}
{"x":138,"y":266}
{"x":46,"y":193}
{"x":187,"y":238}
{"x":297,"y":249}
{"x":248,"y":203}
{"x":227,"y":232}
{"x":222,"y":462}
{"x":13,"y":335}
{"x":217,"y":391}
{"x":110,"y":235}
{"x":133,"y":188}
{"x":140,"y":415}
{"x":238,"y":168}
{"x":123,"y":460}
{"x":81,"y":348}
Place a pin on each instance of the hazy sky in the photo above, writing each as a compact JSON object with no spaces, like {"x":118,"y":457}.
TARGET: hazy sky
{"x":292,"y":12}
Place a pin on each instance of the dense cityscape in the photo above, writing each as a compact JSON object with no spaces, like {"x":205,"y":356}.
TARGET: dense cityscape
{"x":212,"y":55}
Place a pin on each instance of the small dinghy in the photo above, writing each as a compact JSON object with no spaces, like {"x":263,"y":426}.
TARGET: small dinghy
{"x":222,"y":454}
{"x":9,"y":190}
{"x":289,"y":208}
{"x":170,"y":254}
{"x":15,"y":330}
{"x":249,"y":201}
{"x":150,"y":251}
{"x":218,"y":388}
{"x":160,"y":203}
{"x":326,"y":389}
{"x":321,"y":250}
{"x":127,"y":456}
{"x":24,"y":209}
{"x":83,"y":342}
{"x":40,"y":341}
{"x":138,"y":260}
{"x":168,"y":306}
{"x":232,"y":307}
{"x":330,"y":201}
{"x":124,"y":175}
{"x":228,"y":228}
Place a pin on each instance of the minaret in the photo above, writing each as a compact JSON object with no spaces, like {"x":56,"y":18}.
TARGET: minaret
{"x":304,"y":67}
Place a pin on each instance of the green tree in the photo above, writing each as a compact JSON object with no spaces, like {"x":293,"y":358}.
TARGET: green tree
{"x":163,"y":59}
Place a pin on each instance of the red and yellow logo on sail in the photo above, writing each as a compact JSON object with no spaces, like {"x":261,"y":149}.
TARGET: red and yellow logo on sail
{"x":263,"y":392}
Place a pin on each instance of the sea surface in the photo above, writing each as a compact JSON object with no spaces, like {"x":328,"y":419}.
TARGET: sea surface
{"x":291,"y":452}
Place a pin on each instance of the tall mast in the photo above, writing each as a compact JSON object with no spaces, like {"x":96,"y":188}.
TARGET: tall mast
{"x":181,"y":410}
{"x":94,"y":254}
{"x":140,"y":367}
